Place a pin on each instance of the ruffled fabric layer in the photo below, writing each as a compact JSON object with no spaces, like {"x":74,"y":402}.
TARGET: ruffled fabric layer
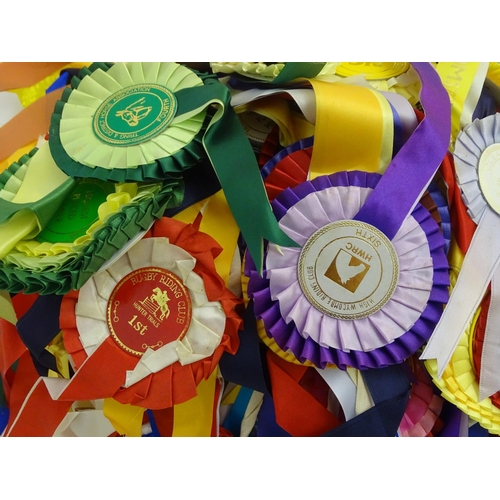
{"x":39,"y":255}
{"x":168,"y":375}
{"x":12,"y":178}
{"x":459,"y":385}
{"x":118,"y":230}
{"x":261,"y":331}
{"x":424,"y":407}
{"x":470,"y":145}
{"x":440,"y":211}
{"x":477,"y":343}
{"x":373,"y":70}
{"x":80,"y":153}
{"x":31,"y":192}
{"x":379,"y":347}
{"x":288,"y":168}
{"x":257,"y":70}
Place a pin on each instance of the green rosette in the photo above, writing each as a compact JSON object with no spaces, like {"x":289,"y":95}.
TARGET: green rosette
{"x":43,"y":205}
{"x":118,"y":229}
{"x":127,"y":122}
{"x":31,"y":191}
{"x":85,"y":210}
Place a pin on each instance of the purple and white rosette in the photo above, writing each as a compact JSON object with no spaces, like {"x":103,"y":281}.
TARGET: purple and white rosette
{"x":403,"y":320}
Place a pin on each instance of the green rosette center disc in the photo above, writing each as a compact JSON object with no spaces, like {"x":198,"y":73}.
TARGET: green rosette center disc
{"x":77,"y":213}
{"x":134,"y":114}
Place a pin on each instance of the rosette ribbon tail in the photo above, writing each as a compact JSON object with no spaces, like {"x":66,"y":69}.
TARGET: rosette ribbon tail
{"x":294,"y":70}
{"x":480,"y":264}
{"x":489,"y":377}
{"x":234,"y":162}
{"x":434,"y":131}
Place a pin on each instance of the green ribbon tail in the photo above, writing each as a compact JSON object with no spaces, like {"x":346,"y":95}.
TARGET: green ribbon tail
{"x":294,"y":70}
{"x":238,"y":172}
{"x":236,"y":167}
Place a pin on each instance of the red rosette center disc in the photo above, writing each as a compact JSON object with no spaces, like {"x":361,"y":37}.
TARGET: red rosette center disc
{"x":148,"y":308}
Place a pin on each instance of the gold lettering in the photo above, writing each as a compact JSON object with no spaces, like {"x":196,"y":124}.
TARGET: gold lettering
{"x":140,"y":309}
{"x":138,"y":326}
{"x":171,"y":285}
{"x":153,"y":321}
{"x":358,"y":251}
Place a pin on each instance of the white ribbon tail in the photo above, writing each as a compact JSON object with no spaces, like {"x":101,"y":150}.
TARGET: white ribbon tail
{"x":343,"y":387}
{"x":479,"y":265}
{"x":88,"y":423}
{"x":489,"y":378}
{"x":474,"y":94}
{"x":305,"y":99}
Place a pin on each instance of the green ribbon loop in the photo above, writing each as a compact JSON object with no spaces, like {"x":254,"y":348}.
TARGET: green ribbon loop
{"x":44,"y":209}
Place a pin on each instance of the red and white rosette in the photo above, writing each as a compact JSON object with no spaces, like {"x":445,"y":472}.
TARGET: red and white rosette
{"x":120,"y":294}
{"x":477,"y":163}
{"x":152,"y":325}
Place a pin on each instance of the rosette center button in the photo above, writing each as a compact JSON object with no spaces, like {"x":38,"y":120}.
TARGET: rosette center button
{"x":489,"y":176}
{"x":348,"y":269}
{"x":148,"y":309}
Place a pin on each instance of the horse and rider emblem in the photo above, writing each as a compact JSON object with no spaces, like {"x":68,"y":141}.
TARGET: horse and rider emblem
{"x":157,"y":303}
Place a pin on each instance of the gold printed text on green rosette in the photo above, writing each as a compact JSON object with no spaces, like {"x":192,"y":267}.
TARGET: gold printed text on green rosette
{"x":134,"y":114}
{"x":78,"y":212}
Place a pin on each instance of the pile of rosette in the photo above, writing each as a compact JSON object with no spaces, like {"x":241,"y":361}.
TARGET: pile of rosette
{"x":251,"y":249}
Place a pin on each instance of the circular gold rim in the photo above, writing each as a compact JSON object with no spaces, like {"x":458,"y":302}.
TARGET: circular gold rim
{"x":485,"y":183}
{"x":391,"y":252}
{"x":109,"y":308}
{"x":153,"y":133}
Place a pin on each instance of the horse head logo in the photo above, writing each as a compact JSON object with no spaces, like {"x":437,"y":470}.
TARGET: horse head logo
{"x":134,"y":112}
